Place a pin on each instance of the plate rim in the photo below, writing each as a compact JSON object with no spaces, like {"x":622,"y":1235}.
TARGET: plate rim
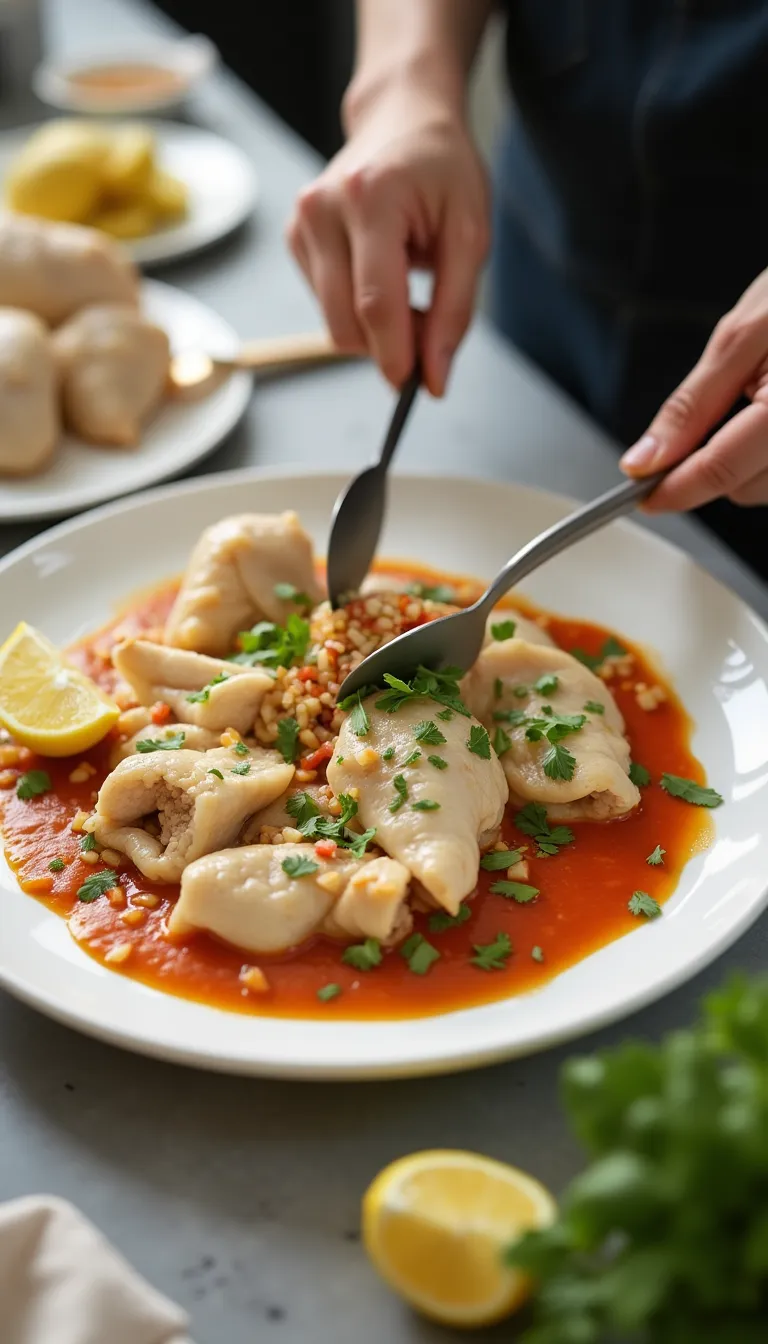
{"x":434,"y":1060}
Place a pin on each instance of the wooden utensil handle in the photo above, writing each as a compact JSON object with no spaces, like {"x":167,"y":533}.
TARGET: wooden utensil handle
{"x":288,"y":352}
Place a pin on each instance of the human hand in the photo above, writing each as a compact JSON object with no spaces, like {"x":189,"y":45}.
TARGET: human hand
{"x":734,"y":462}
{"x":408,"y":189}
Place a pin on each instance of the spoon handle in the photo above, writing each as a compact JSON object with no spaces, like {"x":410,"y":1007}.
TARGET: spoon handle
{"x":613,"y":504}
{"x":287,"y":352}
{"x":402,"y":410}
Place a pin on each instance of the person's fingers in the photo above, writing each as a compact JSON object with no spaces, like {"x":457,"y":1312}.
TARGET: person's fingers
{"x":378,"y":233}
{"x":754,"y":492}
{"x":319,"y":243}
{"x":460,"y":253}
{"x":730,"y":464}
{"x":734,"y":351}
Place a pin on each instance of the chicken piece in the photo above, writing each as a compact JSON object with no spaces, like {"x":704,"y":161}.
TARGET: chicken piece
{"x":440,"y":845}
{"x":600,"y":787}
{"x":29,"y":412}
{"x":525,"y":628}
{"x":277,"y":816}
{"x":246,"y":897}
{"x":53,"y":270}
{"x":196,"y":812}
{"x":195,"y":739}
{"x":231,"y":576}
{"x":208,"y":692}
{"x":113,"y":365}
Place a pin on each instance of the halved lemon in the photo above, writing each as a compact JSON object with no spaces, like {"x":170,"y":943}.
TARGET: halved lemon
{"x":46,"y":704}
{"x":436,"y":1225}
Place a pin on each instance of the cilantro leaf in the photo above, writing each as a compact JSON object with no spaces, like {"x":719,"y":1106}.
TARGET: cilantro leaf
{"x":288,"y":592}
{"x":441,"y":592}
{"x":691,"y":792}
{"x":328,"y":992}
{"x":479,"y":742}
{"x":298,"y":865}
{"x":640,"y":903}
{"x":425,"y":805}
{"x":359,"y":722}
{"x":515,"y":891}
{"x":639,"y":776}
{"x":302,"y":807}
{"x":172,"y":743}
{"x":56,"y":865}
{"x":243,"y":768}
{"x":532,"y":820}
{"x":558,"y":762}
{"x":594,"y":707}
{"x":520,"y":692}
{"x":202,"y":697}
{"x":438,"y":762}
{"x":500,"y":858}
{"x":32,"y":784}
{"x":274,"y":645}
{"x":548,"y":684}
{"x":240,"y":749}
{"x":439,"y":922}
{"x":514,"y":717}
{"x":493,"y":956}
{"x":501,"y":741}
{"x":288,"y":740}
{"x":419,"y":954}
{"x":503,"y":630}
{"x":411,"y":759}
{"x":656,"y":857}
{"x":428,"y":732}
{"x":498,"y":688}
{"x":446,"y":715}
{"x":401,"y":791}
{"x":214,"y":771}
{"x":88,"y":843}
{"x":96,"y":885}
{"x":363,"y":956}
{"x":357,"y":844}
{"x":388,"y":754}
{"x":611,"y":649}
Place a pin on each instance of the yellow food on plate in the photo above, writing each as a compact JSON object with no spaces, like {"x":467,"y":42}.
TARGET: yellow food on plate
{"x":45,"y":704}
{"x":107,"y":176}
{"x":436,"y":1225}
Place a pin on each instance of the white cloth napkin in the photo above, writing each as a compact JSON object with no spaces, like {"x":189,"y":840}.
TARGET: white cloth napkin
{"x":62,"y":1283}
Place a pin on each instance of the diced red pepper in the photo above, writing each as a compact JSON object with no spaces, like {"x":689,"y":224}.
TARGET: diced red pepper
{"x":307,"y":673}
{"x":160,"y":713}
{"x":316,"y":759}
{"x":326,"y":849}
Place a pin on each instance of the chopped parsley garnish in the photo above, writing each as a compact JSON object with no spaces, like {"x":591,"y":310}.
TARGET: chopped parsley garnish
{"x":438,"y":762}
{"x":388,"y":754}
{"x":503,"y":630}
{"x":520,"y":692}
{"x":298,"y":865}
{"x":172,"y":743}
{"x":214,"y":771}
{"x":446,"y":715}
{"x":88,"y":843}
{"x":443,"y":687}
{"x":641,"y":903}
{"x":493,"y":956}
{"x":411,"y":760}
{"x":314,"y":825}
{"x":399,"y":691}
{"x":515,"y":891}
{"x":537,"y":953}
{"x":288,"y":740}
{"x":357,"y":844}
{"x":500,"y":858}
{"x":501,"y":741}
{"x":328,"y":992}
{"x":244,"y":768}
{"x":640,"y":777}
{"x":594,"y":707}
{"x":439,"y":922}
{"x":202,"y":697}
{"x":274,"y":645}
{"x":514,"y":717}
{"x":558,"y":762}
{"x":419,"y":954}
{"x":401,"y":791}
{"x":548,"y":684}
{"x":363,"y":956}
{"x":428,"y":732}
{"x":657,"y":857}
{"x":532,"y":820}
{"x":339,"y":760}
{"x":96,"y":885}
{"x":479,"y":742}
{"x":302,"y":807}
{"x":498,"y":688}
{"x":611,"y":649}
{"x":240,"y":749}
{"x":425,"y":805}
{"x":359,"y":722}
{"x":288,"y":592}
{"x":32,"y":783}
{"x":56,"y":865}
{"x":441,"y":592}
{"x":691,"y":792}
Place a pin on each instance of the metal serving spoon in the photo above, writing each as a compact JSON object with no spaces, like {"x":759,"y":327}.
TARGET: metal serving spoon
{"x":359,"y":510}
{"x":456,"y":640}
{"x":193,"y":373}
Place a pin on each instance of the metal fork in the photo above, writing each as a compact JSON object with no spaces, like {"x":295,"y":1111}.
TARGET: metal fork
{"x":456,"y":640}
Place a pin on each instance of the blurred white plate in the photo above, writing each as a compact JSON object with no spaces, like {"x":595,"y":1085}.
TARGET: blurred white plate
{"x":220,"y":179}
{"x":178,"y":436}
{"x":714,"y":648}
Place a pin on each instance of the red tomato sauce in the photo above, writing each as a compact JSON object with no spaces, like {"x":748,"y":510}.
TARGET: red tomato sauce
{"x":584,"y":889}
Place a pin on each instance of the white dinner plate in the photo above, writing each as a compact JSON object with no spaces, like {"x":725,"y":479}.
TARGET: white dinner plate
{"x":714,"y":648}
{"x":179,"y":435}
{"x":220,"y":179}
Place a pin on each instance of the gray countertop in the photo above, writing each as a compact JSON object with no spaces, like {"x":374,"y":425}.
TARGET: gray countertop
{"x":237,"y":1198}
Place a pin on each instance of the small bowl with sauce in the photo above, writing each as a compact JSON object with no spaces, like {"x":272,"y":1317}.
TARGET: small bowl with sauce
{"x":147,"y":79}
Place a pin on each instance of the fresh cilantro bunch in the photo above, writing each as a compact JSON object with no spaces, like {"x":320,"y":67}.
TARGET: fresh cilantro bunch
{"x":273,"y":646}
{"x":664,"y":1238}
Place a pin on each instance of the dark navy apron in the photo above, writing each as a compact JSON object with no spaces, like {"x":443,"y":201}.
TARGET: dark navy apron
{"x":631,"y":201}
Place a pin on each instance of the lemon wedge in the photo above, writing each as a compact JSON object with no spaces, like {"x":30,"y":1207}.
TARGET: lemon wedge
{"x":44,"y":703}
{"x":436,"y":1225}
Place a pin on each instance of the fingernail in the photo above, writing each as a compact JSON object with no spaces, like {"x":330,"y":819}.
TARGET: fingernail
{"x":643,"y":455}
{"x":443,"y":368}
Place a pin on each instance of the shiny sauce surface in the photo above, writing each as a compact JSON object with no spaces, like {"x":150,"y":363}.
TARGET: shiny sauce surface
{"x":584,"y":889}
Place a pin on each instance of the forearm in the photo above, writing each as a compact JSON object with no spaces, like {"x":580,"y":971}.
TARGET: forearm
{"x":430,"y":42}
